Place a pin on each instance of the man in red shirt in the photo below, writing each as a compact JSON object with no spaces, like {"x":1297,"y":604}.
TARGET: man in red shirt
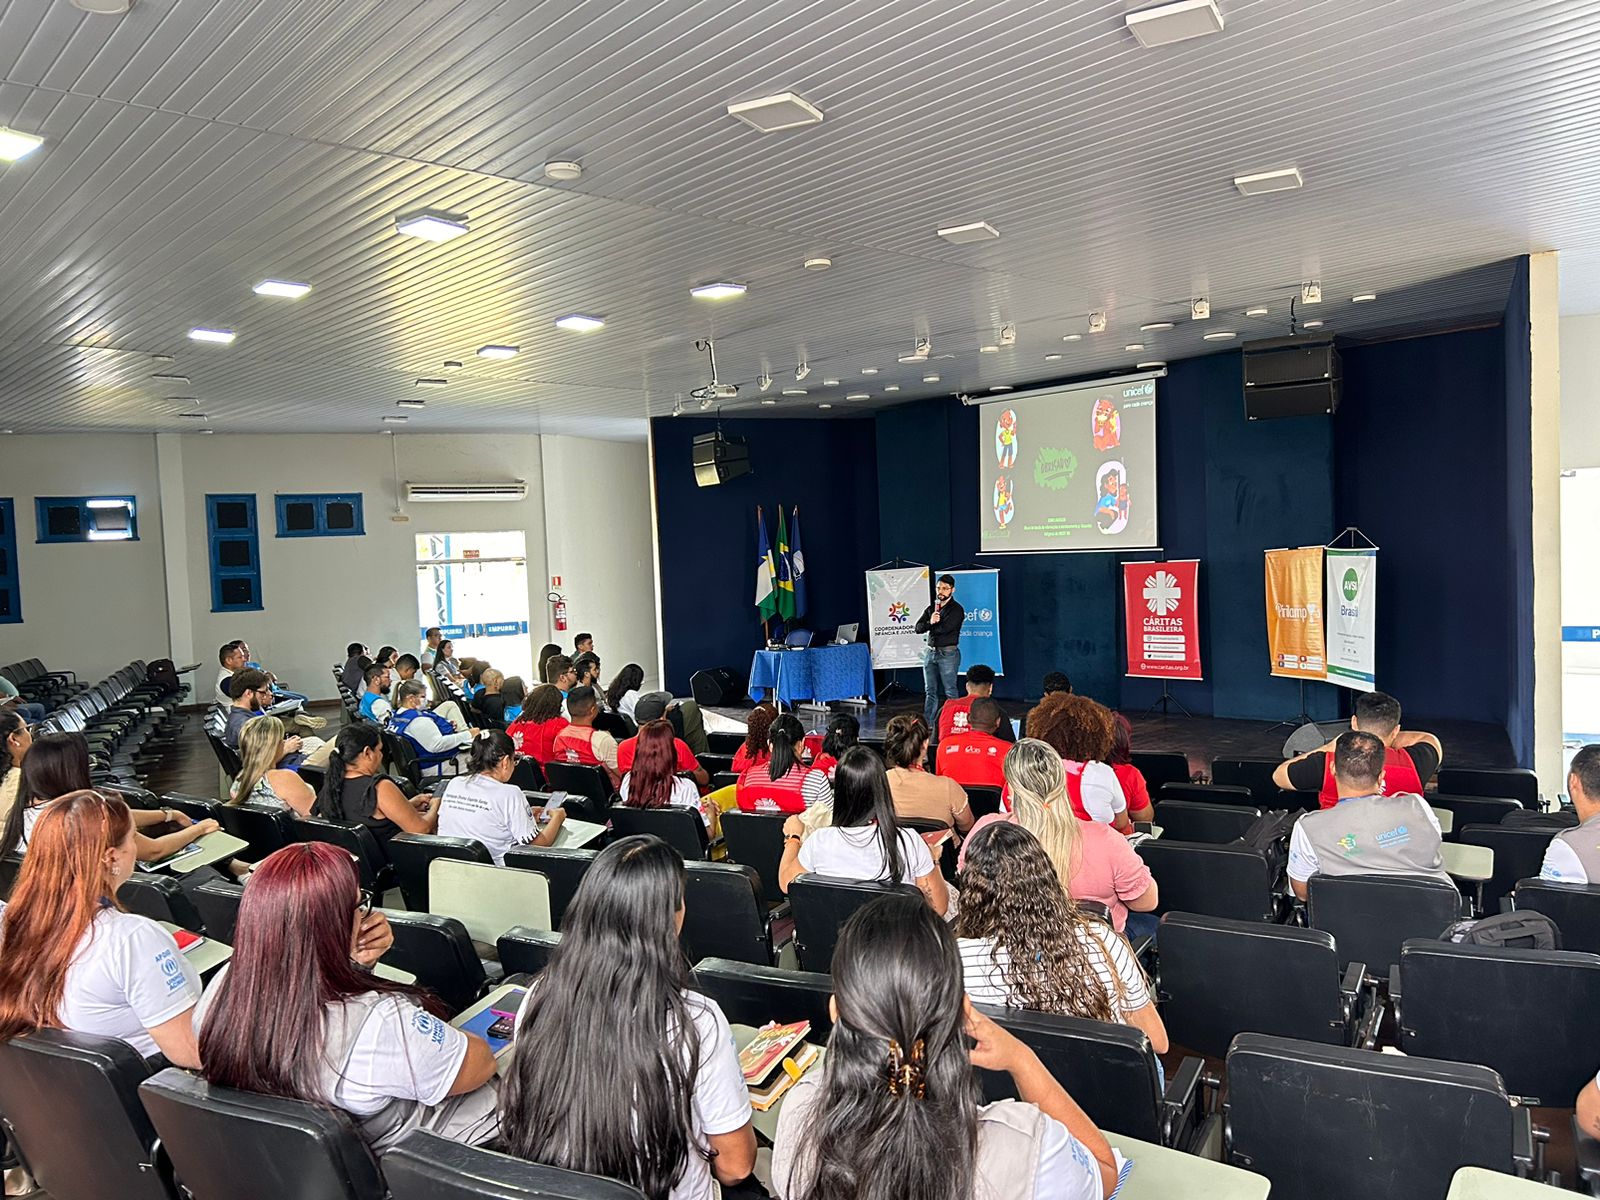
{"x":688,"y":764}
{"x":1410,"y":756}
{"x":975,"y":757}
{"x":953,"y":717}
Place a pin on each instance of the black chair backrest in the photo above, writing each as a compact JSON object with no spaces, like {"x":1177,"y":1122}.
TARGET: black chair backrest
{"x":1161,"y":768}
{"x":411,"y":853}
{"x":1221,"y":978}
{"x":588,"y":788}
{"x":161,"y":899}
{"x":526,"y":951}
{"x":712,"y":763}
{"x":724,"y":779}
{"x":10,"y":866}
{"x":355,"y":840}
{"x":756,"y":840}
{"x":681,"y":828}
{"x":248,"y":1146}
{"x":1511,"y":783}
{"x":71,"y":1108}
{"x":425,"y":1166}
{"x":723,"y":914}
{"x":1518,"y":854}
{"x":1112,"y":1068}
{"x":1207,"y":793}
{"x":982,"y":800}
{"x":1574,"y":907}
{"x":1297,"y":1112}
{"x":1252,"y":773}
{"x":218,"y":903}
{"x":1371,"y":915}
{"x":1213,"y":824}
{"x":562,"y":869}
{"x":1494,"y":1005}
{"x":1217,"y":881}
{"x":725,"y":743}
{"x":266,"y":827}
{"x":400,"y":755}
{"x":821,"y":907}
{"x":439,"y":952}
{"x":1474,"y":810}
{"x":753,"y":995}
{"x":227,"y":756}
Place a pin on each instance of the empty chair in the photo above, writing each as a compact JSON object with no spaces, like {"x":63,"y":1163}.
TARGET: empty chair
{"x":217,"y":901}
{"x":1574,"y":907}
{"x":749,"y":994}
{"x":724,"y":916}
{"x":982,"y":800}
{"x":160,"y":898}
{"x":1213,"y":824}
{"x":712,"y":763}
{"x":1371,"y":915}
{"x":426,"y":1166}
{"x":71,"y":1109}
{"x":1221,"y":978}
{"x":525,"y":951}
{"x":1511,"y":783}
{"x":411,"y":853}
{"x":756,"y":840}
{"x":725,"y":742}
{"x":563,"y":871}
{"x":1474,"y":810}
{"x":588,"y":788}
{"x":821,"y":907}
{"x":1329,"y":1123}
{"x":247,"y":1146}
{"x":724,"y":779}
{"x":1217,"y":881}
{"x":438,"y":951}
{"x":1518,"y":854}
{"x":1206,"y":793}
{"x":681,"y":828}
{"x":1161,"y":768}
{"x":1252,"y":773}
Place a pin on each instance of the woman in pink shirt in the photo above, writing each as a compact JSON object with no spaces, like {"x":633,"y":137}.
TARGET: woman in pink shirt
{"x":1093,"y":860}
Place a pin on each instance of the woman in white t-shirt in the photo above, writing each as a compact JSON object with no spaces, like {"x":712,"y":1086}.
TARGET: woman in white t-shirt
{"x":296,"y":1013}
{"x":73,"y":959}
{"x":653,"y":781}
{"x":894,"y":1112}
{"x":865,"y":842}
{"x":620,"y":1069}
{"x":1024,"y":944}
{"x":484,"y":805}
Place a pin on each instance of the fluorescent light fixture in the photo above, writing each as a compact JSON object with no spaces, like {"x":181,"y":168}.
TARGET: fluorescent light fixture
{"x":433,"y":383}
{"x":396,"y":419}
{"x":579,"y":323}
{"x":193,"y":416}
{"x":930,"y":379}
{"x":1134,"y":347}
{"x":282,"y":288}
{"x":220,"y":336}
{"x":1255,"y":312}
{"x":451,"y":364}
{"x":1052,"y":358}
{"x":208,"y":431}
{"x":105,"y":504}
{"x":15,"y":144}
{"x":1155,"y":326}
{"x":431,"y":226}
{"x":988,"y":349}
{"x":869,"y":370}
{"x":858,"y":396}
{"x":411,"y":402}
{"x":794,"y":391}
{"x":1220,"y":335}
{"x":1073,"y":337}
{"x":184,"y":379}
{"x":105,"y":8}
{"x":497,"y":352}
{"x":1148,"y":366}
{"x":1312,"y":325}
{"x":1002,"y":387}
{"x":718,"y":291}
{"x":975,"y":231}
{"x":912,"y":356}
{"x":1175,"y":22}
{"x":770,"y":400}
{"x":893,"y":387}
{"x":830,"y":383}
{"x":1259,"y":184}
{"x":824,"y":406}
{"x":769,"y":114}
{"x":1364,"y":298}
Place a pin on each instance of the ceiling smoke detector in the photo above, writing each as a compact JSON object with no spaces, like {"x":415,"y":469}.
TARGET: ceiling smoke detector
{"x":563,"y":170}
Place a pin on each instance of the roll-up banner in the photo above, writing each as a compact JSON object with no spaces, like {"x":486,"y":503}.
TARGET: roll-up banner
{"x":896,"y":597}
{"x":978,"y":593}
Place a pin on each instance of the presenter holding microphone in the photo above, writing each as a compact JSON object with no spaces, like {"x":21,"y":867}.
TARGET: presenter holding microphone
{"x":941,"y":663}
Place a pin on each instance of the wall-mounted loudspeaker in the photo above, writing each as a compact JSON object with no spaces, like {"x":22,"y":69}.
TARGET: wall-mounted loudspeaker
{"x":1291,"y":377}
{"x":718,"y":459}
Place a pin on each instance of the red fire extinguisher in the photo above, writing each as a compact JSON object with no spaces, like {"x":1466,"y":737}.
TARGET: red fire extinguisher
{"x":560,"y":611}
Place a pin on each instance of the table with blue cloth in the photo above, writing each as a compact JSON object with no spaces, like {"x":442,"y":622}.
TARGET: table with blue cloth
{"x":821,"y":674}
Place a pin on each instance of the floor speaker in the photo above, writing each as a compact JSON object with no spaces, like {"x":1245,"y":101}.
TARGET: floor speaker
{"x":717,"y":687}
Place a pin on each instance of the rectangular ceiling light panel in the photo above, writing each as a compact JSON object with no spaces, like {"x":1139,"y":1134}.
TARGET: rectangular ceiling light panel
{"x":1176,"y":22}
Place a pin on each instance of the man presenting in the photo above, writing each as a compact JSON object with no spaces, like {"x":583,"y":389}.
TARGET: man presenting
{"x":1410,"y":757}
{"x":941,"y":662}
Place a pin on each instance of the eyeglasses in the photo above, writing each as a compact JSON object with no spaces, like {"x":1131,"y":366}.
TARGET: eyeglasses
{"x":364,"y":904}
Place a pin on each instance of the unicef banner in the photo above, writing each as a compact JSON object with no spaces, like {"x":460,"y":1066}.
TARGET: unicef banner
{"x":896,"y":597}
{"x":978,"y":593}
{"x":1352,"y":585}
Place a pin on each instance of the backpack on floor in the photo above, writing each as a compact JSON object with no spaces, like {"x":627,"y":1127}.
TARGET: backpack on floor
{"x":1517,"y":930}
{"x":163,"y":673}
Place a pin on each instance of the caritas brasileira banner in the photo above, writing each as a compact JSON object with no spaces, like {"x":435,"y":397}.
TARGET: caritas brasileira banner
{"x":1162,"y":604}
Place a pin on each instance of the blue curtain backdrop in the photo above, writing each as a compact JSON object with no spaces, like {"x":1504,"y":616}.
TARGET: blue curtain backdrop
{"x":1516,"y":561}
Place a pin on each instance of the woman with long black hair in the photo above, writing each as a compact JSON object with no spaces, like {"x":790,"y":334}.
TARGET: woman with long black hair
{"x":15,"y":742}
{"x":620,"y":1069}
{"x":356,"y":791}
{"x":623,"y":692}
{"x":843,"y":732}
{"x":894,"y":1111}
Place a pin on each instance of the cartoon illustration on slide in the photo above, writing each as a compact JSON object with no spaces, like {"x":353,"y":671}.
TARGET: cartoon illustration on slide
{"x":1111,"y":508}
{"x":1107,"y":425}
{"x":1004,"y":507}
{"x":1005,"y":440}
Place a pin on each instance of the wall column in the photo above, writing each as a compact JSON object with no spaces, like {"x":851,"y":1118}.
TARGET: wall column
{"x":175,"y":555}
{"x":1544,"y":311}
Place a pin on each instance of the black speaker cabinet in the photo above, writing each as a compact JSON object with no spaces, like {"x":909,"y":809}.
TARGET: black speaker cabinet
{"x":716,"y":687}
{"x":718,"y":459}
{"x":1291,"y":377}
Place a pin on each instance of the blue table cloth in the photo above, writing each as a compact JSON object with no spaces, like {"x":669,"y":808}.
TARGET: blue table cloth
{"x":823,"y":673}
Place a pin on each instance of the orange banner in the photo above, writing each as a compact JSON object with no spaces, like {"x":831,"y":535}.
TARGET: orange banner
{"x":1296,"y":638}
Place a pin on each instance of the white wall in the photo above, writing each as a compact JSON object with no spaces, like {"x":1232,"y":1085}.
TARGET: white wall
{"x":1580,"y":392}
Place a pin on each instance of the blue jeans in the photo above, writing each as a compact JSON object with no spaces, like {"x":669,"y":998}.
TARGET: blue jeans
{"x":940,"y":666}
{"x":30,"y":712}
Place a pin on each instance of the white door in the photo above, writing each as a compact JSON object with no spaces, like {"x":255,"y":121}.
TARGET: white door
{"x":474,"y":586}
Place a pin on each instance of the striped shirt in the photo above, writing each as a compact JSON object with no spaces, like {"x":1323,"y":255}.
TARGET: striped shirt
{"x":1113,"y":960}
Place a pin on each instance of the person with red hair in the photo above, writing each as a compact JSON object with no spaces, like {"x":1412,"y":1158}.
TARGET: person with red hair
{"x":73,"y":958}
{"x":754,"y":752}
{"x":653,"y":781}
{"x":297,"y":1013}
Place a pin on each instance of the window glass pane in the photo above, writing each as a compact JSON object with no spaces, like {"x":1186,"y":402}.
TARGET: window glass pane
{"x":299,"y":516}
{"x":233,"y":552}
{"x":5,"y":602}
{"x":5,"y":561}
{"x":5,"y":520}
{"x":341,"y":515}
{"x":64,"y":520}
{"x":238,"y":591}
{"x":233,"y":514}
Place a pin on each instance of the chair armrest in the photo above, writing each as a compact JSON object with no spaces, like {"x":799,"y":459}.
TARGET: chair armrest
{"x":1355,"y":975}
{"x":1394,"y":984}
{"x":1141,"y":946}
{"x":1522,"y":1141}
{"x":1179,"y":1108}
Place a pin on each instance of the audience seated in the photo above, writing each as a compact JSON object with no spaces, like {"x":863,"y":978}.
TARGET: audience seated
{"x":355,"y":667}
{"x":15,"y":742}
{"x":954,"y":716}
{"x":580,"y":742}
{"x":546,"y":652}
{"x":513,"y":693}
{"x":782,"y":783}
{"x":865,"y":842}
{"x":430,"y":644}
{"x":843,"y":732}
{"x":623,"y":693}
{"x":1573,"y":855}
{"x":916,"y":1128}
{"x":1057,"y":681}
{"x":486,"y":806}
{"x":261,"y":780}
{"x":534,"y":731}
{"x":1366,"y":832}
{"x":620,"y":1068}
{"x":685,"y":761}
{"x":1134,"y":788}
{"x":297,"y":1012}
{"x":1080,"y":731}
{"x":582,"y":643}
{"x":651,"y":769}
{"x":252,"y":692}
{"x":587,"y":668}
{"x":1410,"y":756}
{"x":438,"y":743}
{"x":375,"y":704}
{"x":558,"y":670}
{"x":385,"y":657}
{"x":355,"y":790}
{"x":490,"y":702}
{"x":917,"y":793}
{"x":1092,"y":860}
{"x":235,"y":657}
{"x":11,"y":701}
{"x":687,"y":720}
{"x":975,"y":757}
{"x":446,"y":667}
{"x":1025,"y":944}
{"x":756,"y":728}
{"x":409,"y":669}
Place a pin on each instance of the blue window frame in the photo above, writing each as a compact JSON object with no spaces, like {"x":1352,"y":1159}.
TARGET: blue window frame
{"x":86,"y":519}
{"x":234,"y":545}
{"x":10,"y":591}
{"x":323,"y":515}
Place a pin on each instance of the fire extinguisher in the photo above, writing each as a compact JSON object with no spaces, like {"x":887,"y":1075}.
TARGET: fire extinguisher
{"x":560,"y":611}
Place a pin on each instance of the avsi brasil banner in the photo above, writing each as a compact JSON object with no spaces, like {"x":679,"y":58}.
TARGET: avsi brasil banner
{"x":1161,"y":603}
{"x":1352,"y":605}
{"x":1295,"y":638}
{"x":896,"y":597}
{"x":978,"y":593}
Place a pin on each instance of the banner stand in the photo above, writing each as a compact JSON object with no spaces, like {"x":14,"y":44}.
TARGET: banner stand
{"x":1165,"y":699}
{"x":894,"y":689}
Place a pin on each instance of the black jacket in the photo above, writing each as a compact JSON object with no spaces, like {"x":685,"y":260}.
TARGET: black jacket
{"x":948,"y":631}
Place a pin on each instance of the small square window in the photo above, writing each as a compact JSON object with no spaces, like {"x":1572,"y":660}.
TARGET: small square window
{"x":234,"y":552}
{"x":234,"y":514}
{"x":341,"y":515}
{"x":300,"y":517}
{"x":6,"y":605}
{"x":337,"y":515}
{"x":64,"y":521}
{"x":239,"y":592}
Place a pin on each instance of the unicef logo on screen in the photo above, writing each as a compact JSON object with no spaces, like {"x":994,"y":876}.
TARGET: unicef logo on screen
{"x":1147,"y":388}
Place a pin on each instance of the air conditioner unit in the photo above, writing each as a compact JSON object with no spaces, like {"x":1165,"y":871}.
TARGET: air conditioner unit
{"x":443,"y":493}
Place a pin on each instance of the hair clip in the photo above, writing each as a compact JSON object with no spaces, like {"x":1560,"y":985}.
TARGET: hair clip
{"x":906,"y":1075}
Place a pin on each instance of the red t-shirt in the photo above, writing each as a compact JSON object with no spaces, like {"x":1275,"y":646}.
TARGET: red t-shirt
{"x":1400,"y":774}
{"x":973,"y":759}
{"x":953,"y":717}
{"x":687,"y":762}
{"x":743,"y":759}
{"x":824,"y":763}
{"x":1134,"y":788}
{"x":536,"y":738}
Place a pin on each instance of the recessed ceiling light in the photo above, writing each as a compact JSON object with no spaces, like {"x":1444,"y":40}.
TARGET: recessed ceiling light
{"x":988,"y":349}
{"x":208,"y":431}
{"x":717,"y":291}
{"x":818,"y":264}
{"x":579,"y":323}
{"x":1312,"y":325}
{"x":563,"y":170}
{"x":431,"y":226}
{"x":451,"y":364}
{"x":824,"y":406}
{"x":930,"y":379}
{"x":192,"y":416}
{"x":769,"y":114}
{"x":1255,"y":312}
{"x":411,"y":402}
{"x":396,"y":419}
{"x":1285,"y":180}
{"x":184,"y":379}
{"x":1134,"y":347}
{"x":869,"y":370}
{"x":794,"y":391}
{"x":1220,"y":335}
{"x":1155,"y":326}
{"x":975,"y":231}
{"x":105,"y":8}
{"x":497,"y":352}
{"x":433,"y":383}
{"x":893,"y":387}
{"x":1175,"y":22}
{"x":1364,"y":298}
{"x":858,"y":396}
{"x":1002,"y":387}
{"x":220,"y":336}
{"x":1073,"y":337}
{"x":769,"y":400}
{"x":1052,"y":358}
{"x":161,"y":358}
{"x":282,"y":288}
{"x":830,"y":383}
{"x":15,"y":144}
{"x":1149,"y":366}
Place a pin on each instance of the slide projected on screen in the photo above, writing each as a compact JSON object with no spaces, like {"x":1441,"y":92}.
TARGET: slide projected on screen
{"x":1070,"y":468}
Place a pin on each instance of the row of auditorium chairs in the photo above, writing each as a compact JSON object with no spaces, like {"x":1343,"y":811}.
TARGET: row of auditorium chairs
{"x":129,"y":722}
